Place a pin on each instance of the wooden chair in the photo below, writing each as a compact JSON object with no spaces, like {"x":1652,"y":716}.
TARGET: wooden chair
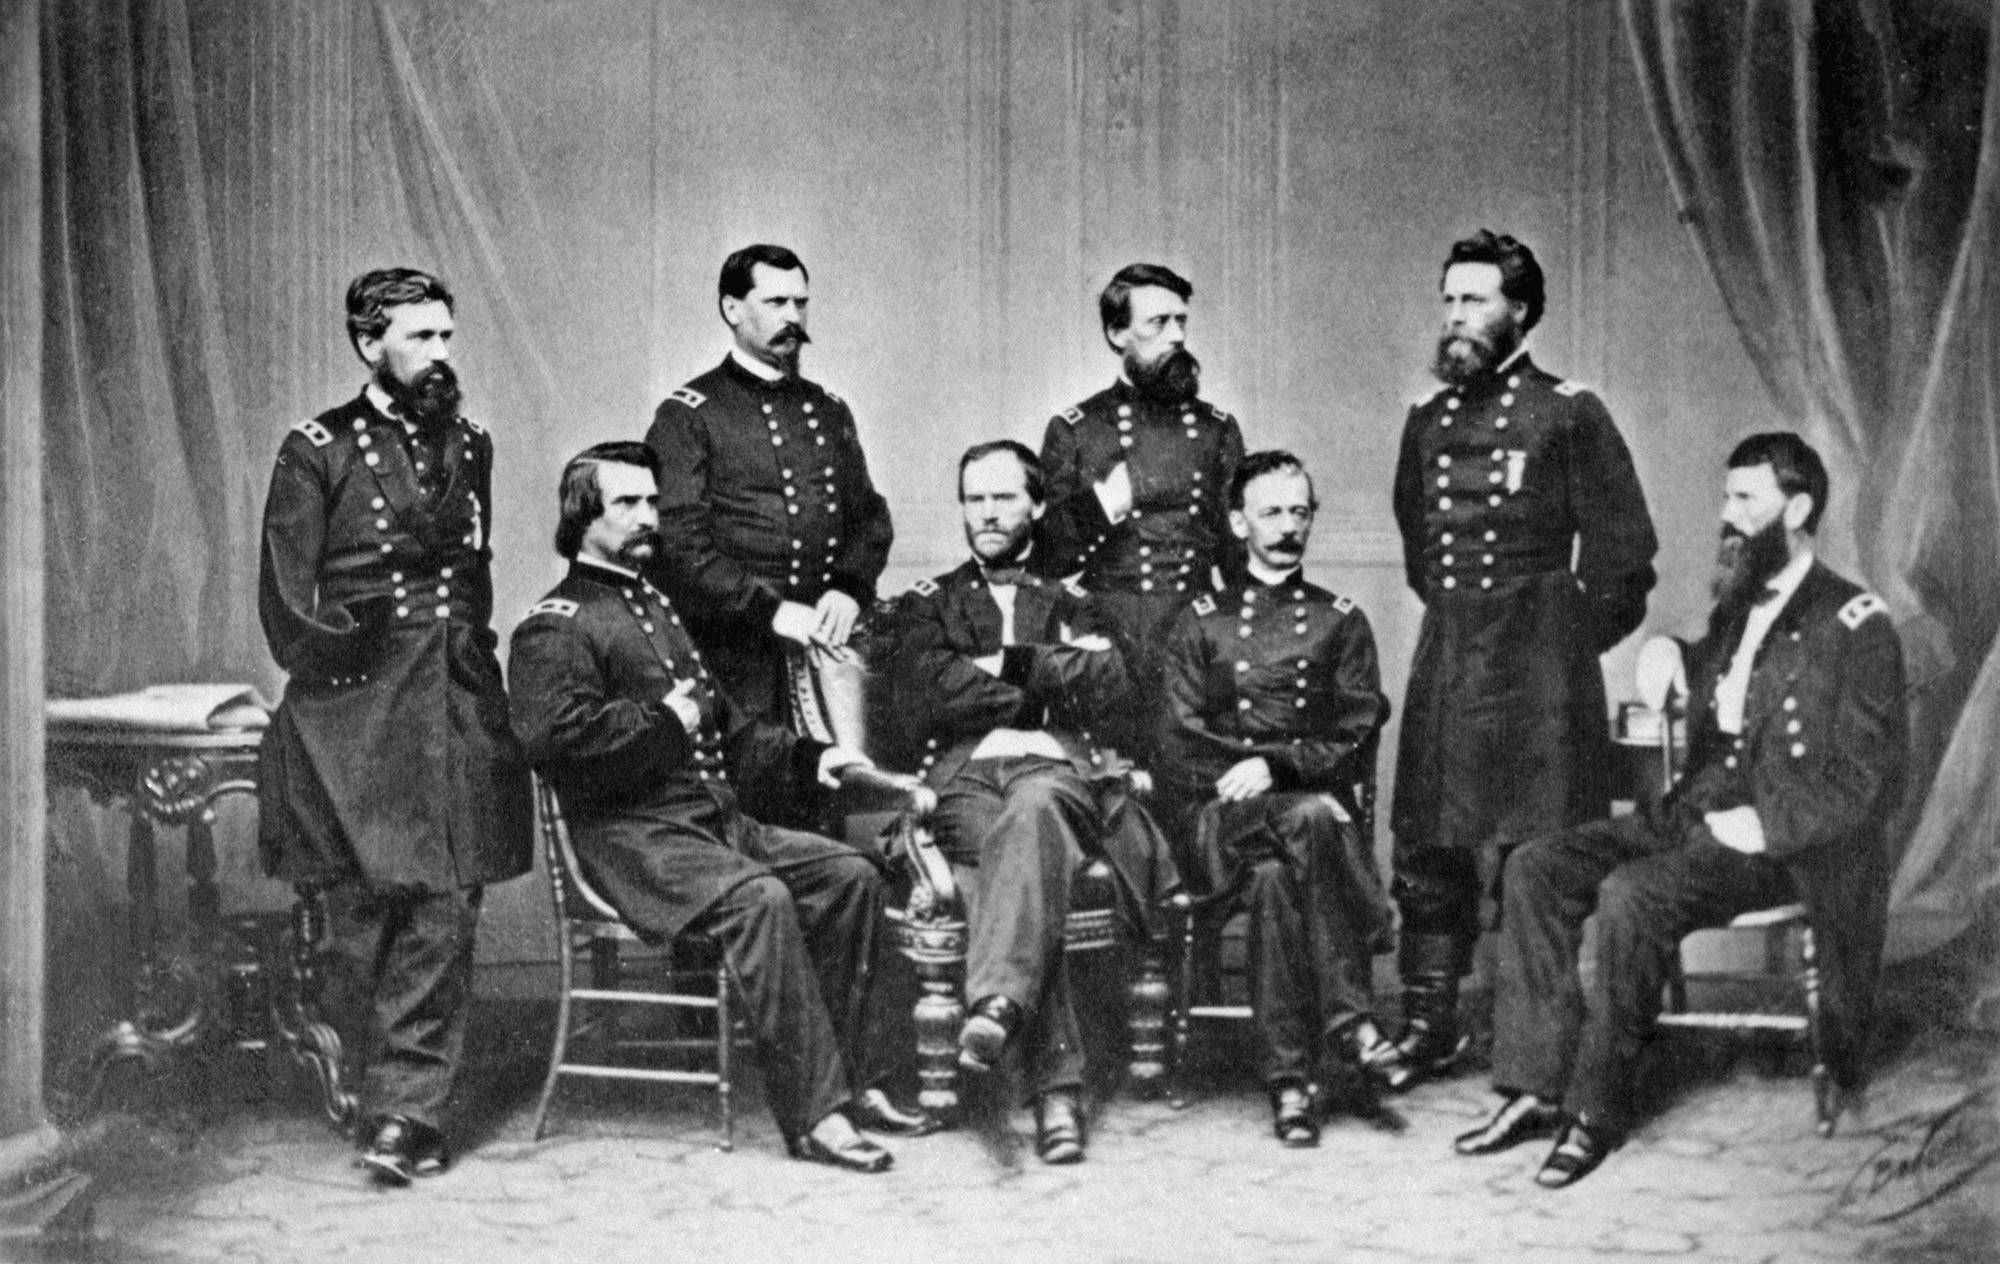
{"x":586,"y":924}
{"x":1205,"y":923}
{"x":1780,"y":927}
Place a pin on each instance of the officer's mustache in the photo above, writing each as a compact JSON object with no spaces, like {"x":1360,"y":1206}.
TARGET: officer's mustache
{"x":1288,"y":544}
{"x":792,"y":336}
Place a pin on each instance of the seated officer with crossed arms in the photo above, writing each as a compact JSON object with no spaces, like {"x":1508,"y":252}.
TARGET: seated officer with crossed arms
{"x":1796,"y":733}
{"x":1273,"y":697}
{"x":653,"y":765}
{"x":1003,"y":677}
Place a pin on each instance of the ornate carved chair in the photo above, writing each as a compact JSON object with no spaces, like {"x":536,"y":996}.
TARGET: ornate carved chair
{"x":838,"y":697}
{"x":588,"y":926}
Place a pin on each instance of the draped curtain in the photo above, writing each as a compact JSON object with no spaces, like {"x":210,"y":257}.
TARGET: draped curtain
{"x":215,"y":174}
{"x":1836,"y":163}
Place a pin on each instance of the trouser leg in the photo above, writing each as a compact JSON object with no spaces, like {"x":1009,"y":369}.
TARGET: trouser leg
{"x":1548,"y":889}
{"x":1644,"y":909}
{"x":837,"y":896}
{"x":1437,"y":895}
{"x":404,"y":959}
{"x":1027,"y":817}
{"x":798,"y":1044}
{"x":1282,"y":986}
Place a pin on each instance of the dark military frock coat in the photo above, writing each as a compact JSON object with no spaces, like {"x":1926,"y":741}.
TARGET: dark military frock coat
{"x":390,"y":758}
{"x":764,"y":497}
{"x":1526,"y":535}
{"x":661,"y":817}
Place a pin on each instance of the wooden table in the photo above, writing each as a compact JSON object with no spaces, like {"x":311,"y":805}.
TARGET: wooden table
{"x":185,"y":1001}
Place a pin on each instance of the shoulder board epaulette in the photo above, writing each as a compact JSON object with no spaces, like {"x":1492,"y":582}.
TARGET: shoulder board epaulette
{"x":1204,"y":605}
{"x":835,"y":398}
{"x":687,"y":395}
{"x":553,"y":605}
{"x":1072,"y":415}
{"x":1074,"y":587}
{"x":924,"y":587}
{"x":473,"y":426}
{"x":1566,"y":388}
{"x":1428,"y":398}
{"x":319,"y":435}
{"x":1855,"y":612}
{"x":1343,"y":604}
{"x":1219,"y":414}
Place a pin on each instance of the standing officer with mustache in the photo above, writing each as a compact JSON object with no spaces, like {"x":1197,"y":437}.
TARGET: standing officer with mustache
{"x":1274,"y":698}
{"x":390,"y":780}
{"x":774,"y":532}
{"x":1138,"y":474}
{"x":1526,"y":536}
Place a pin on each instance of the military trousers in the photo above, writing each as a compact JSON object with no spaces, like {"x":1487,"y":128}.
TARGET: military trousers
{"x":399,"y":969}
{"x":1317,"y":918}
{"x":1013,"y":830}
{"x":1651,"y":881}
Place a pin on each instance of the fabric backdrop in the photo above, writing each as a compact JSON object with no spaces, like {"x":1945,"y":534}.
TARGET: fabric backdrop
{"x":1836,"y":161}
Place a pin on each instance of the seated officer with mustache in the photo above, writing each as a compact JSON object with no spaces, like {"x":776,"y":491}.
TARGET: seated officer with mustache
{"x":1796,"y":731}
{"x":1273,"y":695}
{"x":653,"y":766}
{"x":1003,"y":678}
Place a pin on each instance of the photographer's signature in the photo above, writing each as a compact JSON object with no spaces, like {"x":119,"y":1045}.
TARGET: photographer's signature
{"x":1922,"y":1158}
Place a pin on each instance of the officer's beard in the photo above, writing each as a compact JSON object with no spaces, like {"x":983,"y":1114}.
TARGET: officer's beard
{"x":431,"y":400}
{"x":639,"y":549}
{"x":1744,"y":567}
{"x":1467,"y":355}
{"x":1172,"y":379}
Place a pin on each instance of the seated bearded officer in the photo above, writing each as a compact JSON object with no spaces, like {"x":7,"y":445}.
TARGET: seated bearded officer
{"x":648,"y":759}
{"x":1005,"y":675}
{"x":1273,"y":697}
{"x":1796,"y":749}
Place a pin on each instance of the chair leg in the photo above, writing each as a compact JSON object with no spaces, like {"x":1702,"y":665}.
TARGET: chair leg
{"x":1146,"y":999}
{"x":725,"y":1043}
{"x":939,"y":1015}
{"x":566,"y":955}
{"x":1176,"y":1085}
{"x":1826,"y":1102}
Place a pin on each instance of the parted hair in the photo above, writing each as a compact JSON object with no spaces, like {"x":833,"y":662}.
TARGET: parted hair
{"x":372,"y":294}
{"x":1520,"y":275}
{"x":1114,"y":306}
{"x":1269,"y":461}
{"x":582,"y":500}
{"x":736,"y":279}
{"x":1031,"y":466}
{"x":1792,"y":460}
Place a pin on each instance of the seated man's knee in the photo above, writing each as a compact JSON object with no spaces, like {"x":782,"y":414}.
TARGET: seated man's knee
{"x":1309,"y":815}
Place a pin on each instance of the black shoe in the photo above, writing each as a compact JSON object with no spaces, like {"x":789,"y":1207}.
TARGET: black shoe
{"x":857,"y":1154}
{"x":1578,"y":1153}
{"x":1518,"y":1119}
{"x":404,"y":1149}
{"x":1059,"y":1127}
{"x":1378,"y":1059}
{"x":1430,"y":1043}
{"x":875,"y":1111}
{"x":1292,"y":1119}
{"x":984,"y":1037}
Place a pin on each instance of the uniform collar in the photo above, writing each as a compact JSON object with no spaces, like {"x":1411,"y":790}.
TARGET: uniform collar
{"x":602,"y":572}
{"x":1506,"y":377}
{"x":379,"y":400}
{"x":1292,"y":578}
{"x":1786,"y":582}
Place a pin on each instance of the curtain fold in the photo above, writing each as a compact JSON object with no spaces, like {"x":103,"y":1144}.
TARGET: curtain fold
{"x":1835,"y":162}
{"x":217,"y":172}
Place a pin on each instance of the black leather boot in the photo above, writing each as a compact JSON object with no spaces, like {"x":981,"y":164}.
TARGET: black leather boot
{"x":1430,"y":1042}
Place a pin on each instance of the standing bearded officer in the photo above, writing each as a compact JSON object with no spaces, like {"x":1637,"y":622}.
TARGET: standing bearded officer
{"x":390,"y":780}
{"x":774,"y":532}
{"x":1525,"y":534}
{"x":1138,"y":474}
